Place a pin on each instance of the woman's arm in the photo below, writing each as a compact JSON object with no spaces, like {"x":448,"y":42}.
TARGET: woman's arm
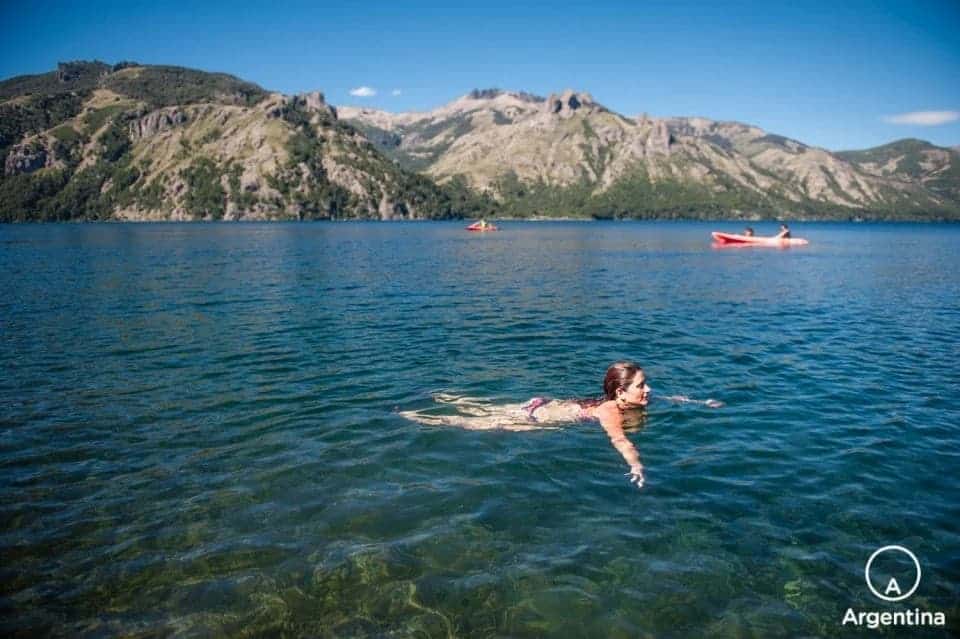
{"x":612,"y":422}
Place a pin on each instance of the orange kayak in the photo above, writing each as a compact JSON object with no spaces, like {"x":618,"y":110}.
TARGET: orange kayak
{"x":477,"y":227}
{"x":733,"y":239}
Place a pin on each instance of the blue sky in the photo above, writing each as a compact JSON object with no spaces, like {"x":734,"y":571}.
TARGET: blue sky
{"x":832,"y":74}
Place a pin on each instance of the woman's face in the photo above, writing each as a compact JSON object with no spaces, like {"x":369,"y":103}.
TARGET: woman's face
{"x":637,"y":392}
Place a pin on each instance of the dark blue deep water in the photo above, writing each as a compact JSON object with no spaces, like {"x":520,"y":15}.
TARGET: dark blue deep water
{"x":200,"y":430}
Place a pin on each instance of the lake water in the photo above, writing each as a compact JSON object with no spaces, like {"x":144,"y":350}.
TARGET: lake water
{"x":200,"y":430}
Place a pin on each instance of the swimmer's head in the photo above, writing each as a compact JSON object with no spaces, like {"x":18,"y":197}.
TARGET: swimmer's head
{"x":626,"y":383}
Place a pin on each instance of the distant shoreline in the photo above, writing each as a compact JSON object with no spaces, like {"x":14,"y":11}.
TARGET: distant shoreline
{"x":499,"y":220}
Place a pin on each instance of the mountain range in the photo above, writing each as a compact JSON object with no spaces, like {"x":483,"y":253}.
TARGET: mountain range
{"x":141,"y":142}
{"x":567,"y":154}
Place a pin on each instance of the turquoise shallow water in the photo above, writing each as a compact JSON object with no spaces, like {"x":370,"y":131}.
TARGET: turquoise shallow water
{"x":199,"y":429}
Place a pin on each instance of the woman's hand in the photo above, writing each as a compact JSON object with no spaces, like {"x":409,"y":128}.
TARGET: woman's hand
{"x":636,"y":475}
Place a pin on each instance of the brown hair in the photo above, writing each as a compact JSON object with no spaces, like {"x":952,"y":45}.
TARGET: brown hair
{"x":619,"y":375}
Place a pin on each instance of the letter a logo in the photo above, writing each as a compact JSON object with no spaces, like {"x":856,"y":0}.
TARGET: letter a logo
{"x":893,"y":586}
{"x":892,"y":593}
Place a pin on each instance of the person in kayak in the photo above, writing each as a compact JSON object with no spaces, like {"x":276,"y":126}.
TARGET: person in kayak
{"x":748,"y":231}
{"x":784,"y":232}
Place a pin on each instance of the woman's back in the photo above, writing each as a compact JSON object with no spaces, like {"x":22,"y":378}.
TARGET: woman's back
{"x":556,"y":410}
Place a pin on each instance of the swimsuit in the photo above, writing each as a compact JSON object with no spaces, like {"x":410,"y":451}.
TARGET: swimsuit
{"x":533,"y":405}
{"x":554,"y":410}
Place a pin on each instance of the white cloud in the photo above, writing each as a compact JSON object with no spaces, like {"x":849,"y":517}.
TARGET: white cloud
{"x":363,"y":92}
{"x":396,"y":92}
{"x":923,"y":118}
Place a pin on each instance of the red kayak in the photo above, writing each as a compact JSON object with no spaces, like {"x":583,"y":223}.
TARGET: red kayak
{"x":732,"y":239}
{"x":477,"y":227}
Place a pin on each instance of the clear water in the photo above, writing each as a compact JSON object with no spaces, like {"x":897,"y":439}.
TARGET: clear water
{"x":199,"y":429}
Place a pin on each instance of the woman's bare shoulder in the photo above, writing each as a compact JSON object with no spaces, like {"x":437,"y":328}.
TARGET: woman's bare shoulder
{"x":606,"y":409}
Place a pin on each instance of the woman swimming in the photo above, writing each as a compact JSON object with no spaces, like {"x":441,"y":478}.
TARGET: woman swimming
{"x":625,"y":389}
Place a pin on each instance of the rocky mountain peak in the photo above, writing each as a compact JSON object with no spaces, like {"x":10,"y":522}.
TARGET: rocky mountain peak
{"x":490,"y":94}
{"x":484,"y":94}
{"x":568,"y":102}
{"x":68,"y":72}
{"x":314,"y":102}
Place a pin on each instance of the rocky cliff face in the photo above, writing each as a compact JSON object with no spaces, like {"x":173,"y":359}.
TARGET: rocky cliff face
{"x":156,"y":121}
{"x":27,"y":157}
{"x":568,"y":103}
{"x":569,"y":140}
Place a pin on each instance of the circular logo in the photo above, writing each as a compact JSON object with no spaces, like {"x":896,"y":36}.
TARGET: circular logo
{"x":892,"y":585}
